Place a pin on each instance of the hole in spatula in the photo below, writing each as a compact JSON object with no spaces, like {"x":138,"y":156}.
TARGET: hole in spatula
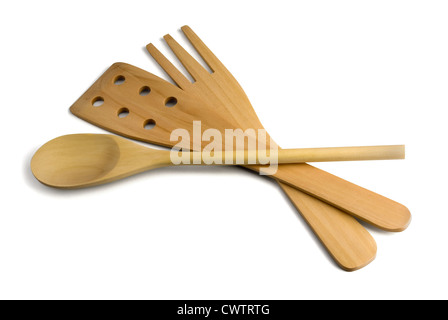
{"x":123,"y":112}
{"x":149,"y":124}
{"x":170,"y":102}
{"x":119,"y":80}
{"x":144,"y":91}
{"x":97,"y":101}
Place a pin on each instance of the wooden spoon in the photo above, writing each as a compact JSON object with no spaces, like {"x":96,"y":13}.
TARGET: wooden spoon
{"x":82,"y":160}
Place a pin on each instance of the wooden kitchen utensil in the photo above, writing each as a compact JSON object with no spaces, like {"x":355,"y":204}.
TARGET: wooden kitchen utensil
{"x":156,"y":108}
{"x":218,"y":87}
{"x":150,"y":118}
{"x":347,"y":241}
{"x":82,"y":160}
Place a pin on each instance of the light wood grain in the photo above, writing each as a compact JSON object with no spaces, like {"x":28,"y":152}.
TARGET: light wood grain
{"x":219,"y":102}
{"x":132,"y":126}
{"x":220,"y":114}
{"x":81,"y":160}
{"x":330,"y":223}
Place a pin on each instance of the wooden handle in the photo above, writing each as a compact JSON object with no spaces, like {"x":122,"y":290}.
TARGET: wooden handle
{"x":359,"y":202}
{"x":341,"y":154}
{"x":283,"y":156}
{"x":347,"y":241}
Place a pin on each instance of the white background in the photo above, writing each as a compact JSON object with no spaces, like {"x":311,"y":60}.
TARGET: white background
{"x":318,"y":73}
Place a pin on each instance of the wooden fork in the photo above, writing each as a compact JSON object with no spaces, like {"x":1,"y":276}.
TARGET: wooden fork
{"x":351,"y":246}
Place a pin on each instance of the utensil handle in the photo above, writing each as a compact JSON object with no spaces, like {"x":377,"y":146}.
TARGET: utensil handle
{"x":359,"y":202}
{"x":282,"y":156}
{"x":341,"y":154}
{"x":347,"y":241}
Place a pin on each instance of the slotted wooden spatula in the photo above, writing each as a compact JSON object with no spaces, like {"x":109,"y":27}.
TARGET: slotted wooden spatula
{"x":219,"y":102}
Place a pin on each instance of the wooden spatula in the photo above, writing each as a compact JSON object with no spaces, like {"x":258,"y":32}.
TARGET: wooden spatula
{"x":156,"y":108}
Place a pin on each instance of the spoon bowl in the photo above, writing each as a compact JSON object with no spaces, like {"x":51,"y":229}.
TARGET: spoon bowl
{"x":80,"y":160}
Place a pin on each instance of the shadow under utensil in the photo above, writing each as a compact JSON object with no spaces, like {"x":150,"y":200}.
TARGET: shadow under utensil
{"x":376,"y":230}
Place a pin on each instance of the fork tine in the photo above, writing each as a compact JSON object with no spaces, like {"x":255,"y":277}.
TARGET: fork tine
{"x":214,"y":63}
{"x":177,"y":76}
{"x":193,"y":67}
{"x":206,"y":54}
